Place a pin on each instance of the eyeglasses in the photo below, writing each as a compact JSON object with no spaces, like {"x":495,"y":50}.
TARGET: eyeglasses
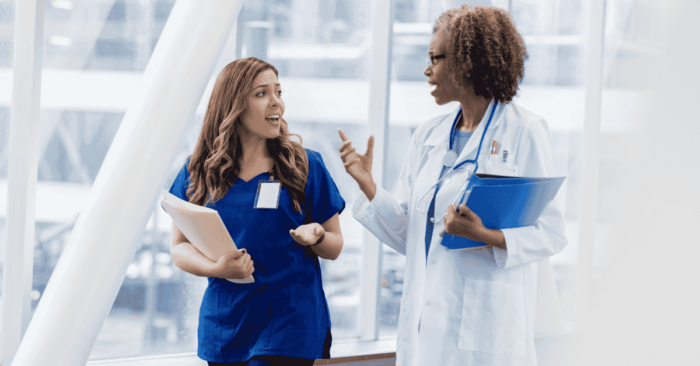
{"x":431,"y":60}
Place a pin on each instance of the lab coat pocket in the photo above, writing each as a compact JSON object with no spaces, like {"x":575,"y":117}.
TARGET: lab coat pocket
{"x":493,"y":318}
{"x":496,"y":166}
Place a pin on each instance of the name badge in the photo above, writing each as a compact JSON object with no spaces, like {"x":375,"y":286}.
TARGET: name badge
{"x":268,"y":195}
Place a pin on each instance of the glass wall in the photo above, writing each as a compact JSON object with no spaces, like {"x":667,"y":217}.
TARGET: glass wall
{"x":7,"y":36}
{"x":95,"y":53}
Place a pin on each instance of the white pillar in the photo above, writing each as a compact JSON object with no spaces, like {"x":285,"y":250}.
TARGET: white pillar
{"x":23,"y":163}
{"x":87,"y":278}
{"x":590,"y":153}
{"x":378,"y":125}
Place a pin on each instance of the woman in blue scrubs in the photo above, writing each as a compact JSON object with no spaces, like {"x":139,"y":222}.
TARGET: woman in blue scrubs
{"x":282,"y":318}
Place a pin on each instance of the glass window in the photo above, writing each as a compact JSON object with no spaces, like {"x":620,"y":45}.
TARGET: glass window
{"x":554,"y":34}
{"x":103,"y":47}
{"x":7,"y":25}
{"x":321,"y":50}
{"x":94,"y":57}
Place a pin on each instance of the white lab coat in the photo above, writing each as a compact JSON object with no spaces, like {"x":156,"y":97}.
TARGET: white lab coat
{"x":468,"y":307}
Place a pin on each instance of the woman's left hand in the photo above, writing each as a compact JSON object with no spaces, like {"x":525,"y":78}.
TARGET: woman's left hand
{"x":467,"y":224}
{"x":464,"y":223}
{"x":307,"y":234}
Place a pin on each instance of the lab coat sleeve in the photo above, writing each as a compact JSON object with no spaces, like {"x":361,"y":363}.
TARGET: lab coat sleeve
{"x":547,"y":237}
{"x":387,"y":215}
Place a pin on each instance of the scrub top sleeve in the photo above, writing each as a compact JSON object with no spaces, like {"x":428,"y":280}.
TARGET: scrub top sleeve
{"x":182,"y":181}
{"x":322,"y":192}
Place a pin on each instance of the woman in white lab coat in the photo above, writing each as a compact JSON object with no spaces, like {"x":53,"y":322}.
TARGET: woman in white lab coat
{"x":466,"y":307}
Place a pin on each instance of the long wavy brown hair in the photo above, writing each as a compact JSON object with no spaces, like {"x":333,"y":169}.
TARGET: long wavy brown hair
{"x":214,"y":165}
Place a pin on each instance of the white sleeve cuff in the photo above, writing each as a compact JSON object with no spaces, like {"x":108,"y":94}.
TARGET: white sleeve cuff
{"x":363,"y":208}
{"x":502,"y":256}
{"x":360,"y":205}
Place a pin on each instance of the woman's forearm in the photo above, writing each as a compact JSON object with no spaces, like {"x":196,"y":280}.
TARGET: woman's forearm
{"x":330,"y":247}
{"x":494,"y":237}
{"x":189,"y":259}
{"x":369,"y":189}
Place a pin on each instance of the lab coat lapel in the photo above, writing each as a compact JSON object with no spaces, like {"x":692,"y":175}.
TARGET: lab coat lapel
{"x":437,"y":146}
{"x":440,"y":135}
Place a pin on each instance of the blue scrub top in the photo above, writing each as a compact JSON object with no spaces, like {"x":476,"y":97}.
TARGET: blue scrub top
{"x":284,"y":313}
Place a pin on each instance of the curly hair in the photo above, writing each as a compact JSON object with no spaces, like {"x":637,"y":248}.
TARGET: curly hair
{"x":484,"y":50}
{"x":214,"y":165}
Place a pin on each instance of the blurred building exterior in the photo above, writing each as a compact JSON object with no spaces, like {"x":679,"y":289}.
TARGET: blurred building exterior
{"x":95,"y":52}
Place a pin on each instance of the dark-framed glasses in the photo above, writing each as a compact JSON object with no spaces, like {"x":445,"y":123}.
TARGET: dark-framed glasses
{"x":431,"y":59}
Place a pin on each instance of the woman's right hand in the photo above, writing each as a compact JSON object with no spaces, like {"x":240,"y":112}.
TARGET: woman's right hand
{"x":359,"y":166}
{"x":234,"y":265}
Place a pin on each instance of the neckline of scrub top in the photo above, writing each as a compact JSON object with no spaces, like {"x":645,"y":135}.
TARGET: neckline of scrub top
{"x":251,"y":179}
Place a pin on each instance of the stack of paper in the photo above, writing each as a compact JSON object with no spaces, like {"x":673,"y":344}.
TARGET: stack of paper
{"x":203,"y":228}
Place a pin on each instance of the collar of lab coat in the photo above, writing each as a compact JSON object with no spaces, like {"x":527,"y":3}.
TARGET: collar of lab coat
{"x":440,"y":136}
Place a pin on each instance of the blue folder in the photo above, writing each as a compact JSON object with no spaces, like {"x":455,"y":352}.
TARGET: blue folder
{"x":504,"y":203}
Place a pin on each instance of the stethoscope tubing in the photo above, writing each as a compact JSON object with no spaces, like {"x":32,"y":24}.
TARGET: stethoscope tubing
{"x":478,"y":151}
{"x":455,"y":167}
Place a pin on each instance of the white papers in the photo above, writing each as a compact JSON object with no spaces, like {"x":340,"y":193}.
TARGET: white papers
{"x":203,"y":228}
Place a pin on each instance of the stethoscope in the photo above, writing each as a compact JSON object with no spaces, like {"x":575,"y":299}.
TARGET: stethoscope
{"x":449,"y":161}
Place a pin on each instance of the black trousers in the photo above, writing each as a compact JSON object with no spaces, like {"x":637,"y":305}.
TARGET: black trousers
{"x":281,"y":360}
{"x":269,"y":361}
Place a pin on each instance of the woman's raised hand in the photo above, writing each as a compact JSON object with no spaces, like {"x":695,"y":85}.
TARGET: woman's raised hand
{"x":234,"y":265}
{"x":359,"y":166}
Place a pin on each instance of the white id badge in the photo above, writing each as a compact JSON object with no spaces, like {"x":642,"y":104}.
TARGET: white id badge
{"x":268,"y":195}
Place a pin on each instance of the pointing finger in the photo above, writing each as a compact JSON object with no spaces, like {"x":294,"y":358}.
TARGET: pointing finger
{"x":342,"y":135}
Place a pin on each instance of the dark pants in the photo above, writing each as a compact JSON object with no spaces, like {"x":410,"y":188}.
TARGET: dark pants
{"x":281,"y":360}
{"x":269,"y":361}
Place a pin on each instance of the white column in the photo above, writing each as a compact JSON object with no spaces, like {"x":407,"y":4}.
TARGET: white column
{"x":87,"y":278}
{"x":590,"y":153}
{"x":23,"y":163}
{"x":378,"y":125}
